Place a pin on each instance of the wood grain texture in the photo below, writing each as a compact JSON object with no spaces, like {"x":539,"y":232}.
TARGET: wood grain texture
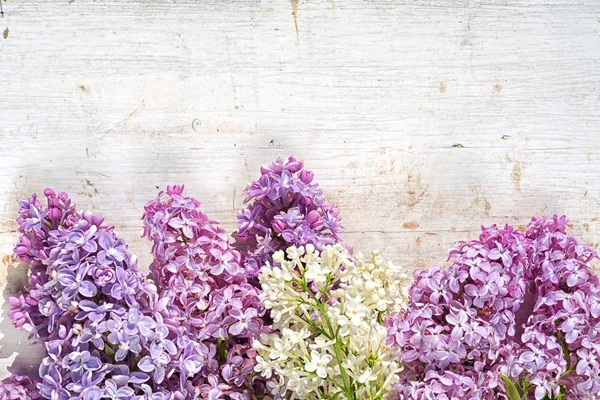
{"x":421,"y":119}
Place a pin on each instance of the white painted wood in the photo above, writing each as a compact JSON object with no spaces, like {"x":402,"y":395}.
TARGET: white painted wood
{"x":421,"y":119}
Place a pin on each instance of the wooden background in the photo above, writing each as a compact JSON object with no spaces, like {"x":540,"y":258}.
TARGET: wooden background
{"x":421,"y":119}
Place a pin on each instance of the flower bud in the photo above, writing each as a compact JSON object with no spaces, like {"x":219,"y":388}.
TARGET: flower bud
{"x":314,"y":218}
{"x":175,"y":189}
{"x":306,"y":176}
{"x":278,"y":225}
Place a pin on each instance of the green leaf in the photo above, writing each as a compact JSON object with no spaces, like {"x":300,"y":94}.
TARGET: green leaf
{"x":336,"y":395}
{"x":511,"y":389}
{"x":108,"y":349}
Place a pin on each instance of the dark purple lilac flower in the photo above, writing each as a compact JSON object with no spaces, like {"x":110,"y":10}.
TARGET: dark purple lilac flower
{"x":19,"y":388}
{"x":283,"y":208}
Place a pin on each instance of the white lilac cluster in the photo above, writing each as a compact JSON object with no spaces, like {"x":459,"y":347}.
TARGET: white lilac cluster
{"x":328,"y":310}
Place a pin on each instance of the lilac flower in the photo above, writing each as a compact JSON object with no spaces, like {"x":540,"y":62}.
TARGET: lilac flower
{"x":190,"y":363}
{"x":51,"y":386}
{"x":160,"y":343}
{"x":500,"y":253}
{"x":227,"y":299}
{"x":471,"y":328}
{"x":36,"y":220}
{"x":460,"y":322}
{"x":185,"y":223}
{"x":236,"y":370}
{"x":103,"y":275}
{"x":130,"y":345}
{"x":571,"y":326}
{"x":113,"y":251}
{"x":149,"y":395}
{"x":156,"y":364}
{"x":74,"y":283}
{"x":213,"y":390}
{"x":114,"y":391}
{"x":84,"y":239}
{"x":87,"y":387}
{"x":126,"y":286}
{"x":247,"y":220}
{"x":211,"y":312}
{"x":283,"y":208}
{"x":246,"y":321}
{"x":92,"y":311}
{"x":594,"y":304}
{"x":86,"y":301}
{"x":136,"y":323}
{"x":79,"y":362}
{"x":577,"y":277}
{"x":93,"y":335}
{"x":225,"y":262}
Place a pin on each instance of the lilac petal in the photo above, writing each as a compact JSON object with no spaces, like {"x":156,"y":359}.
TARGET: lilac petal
{"x":582,"y":367}
{"x":88,"y":289}
{"x":90,"y":247}
{"x":155,"y":351}
{"x":176,"y":223}
{"x":170,"y":346}
{"x":494,"y":254}
{"x":146,"y":365}
{"x":91,"y":393}
{"x":93,"y":364}
{"x":159,"y":374}
{"x":66,"y":279}
{"x":120,"y":354}
{"x":105,"y":241}
{"x":236,"y":328}
{"x":138,"y":377}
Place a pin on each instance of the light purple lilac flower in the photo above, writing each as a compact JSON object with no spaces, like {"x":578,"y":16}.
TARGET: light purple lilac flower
{"x":83,"y":297}
{"x":211,"y":313}
{"x":458,"y":337}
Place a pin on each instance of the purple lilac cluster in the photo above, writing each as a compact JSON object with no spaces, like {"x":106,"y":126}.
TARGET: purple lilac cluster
{"x":459,"y":319}
{"x":212,"y":312}
{"x":560,"y":352}
{"x":284,"y":207}
{"x":94,"y":312}
{"x":19,"y":388}
{"x":458,"y":336}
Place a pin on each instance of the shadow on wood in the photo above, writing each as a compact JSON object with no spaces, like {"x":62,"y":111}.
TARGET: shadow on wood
{"x":14,"y":342}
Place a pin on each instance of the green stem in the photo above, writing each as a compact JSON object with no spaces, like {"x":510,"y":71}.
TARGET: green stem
{"x":333,"y":335}
{"x":221,"y":351}
{"x":338,"y":354}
